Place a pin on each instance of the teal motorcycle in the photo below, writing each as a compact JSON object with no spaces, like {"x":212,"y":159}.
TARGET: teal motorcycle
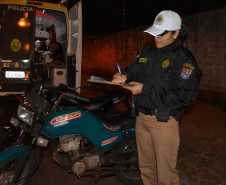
{"x":84,"y":136}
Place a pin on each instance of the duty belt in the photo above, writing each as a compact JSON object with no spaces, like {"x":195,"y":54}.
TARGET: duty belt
{"x":147,"y":111}
{"x":162,"y":114}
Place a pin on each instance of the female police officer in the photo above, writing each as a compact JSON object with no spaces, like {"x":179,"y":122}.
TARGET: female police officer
{"x":166,"y":78}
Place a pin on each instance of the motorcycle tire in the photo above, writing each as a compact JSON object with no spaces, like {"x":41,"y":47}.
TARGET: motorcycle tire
{"x":8,"y":170}
{"x":127,"y":177}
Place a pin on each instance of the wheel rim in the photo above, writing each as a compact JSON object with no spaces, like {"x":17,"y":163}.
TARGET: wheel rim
{"x":6,"y":178}
{"x":7,"y":172}
{"x":134,"y":173}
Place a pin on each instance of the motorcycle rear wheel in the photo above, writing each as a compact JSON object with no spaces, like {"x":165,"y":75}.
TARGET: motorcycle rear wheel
{"x":132,"y":177}
{"x":8,"y":170}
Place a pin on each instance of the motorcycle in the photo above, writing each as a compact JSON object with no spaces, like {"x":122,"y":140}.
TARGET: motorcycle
{"x":83,"y":138}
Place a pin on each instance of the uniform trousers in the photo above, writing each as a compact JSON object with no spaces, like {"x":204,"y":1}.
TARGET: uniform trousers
{"x":157,"y":144}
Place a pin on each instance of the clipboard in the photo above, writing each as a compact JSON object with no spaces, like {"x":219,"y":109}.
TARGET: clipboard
{"x":94,"y":79}
{"x":110,"y":83}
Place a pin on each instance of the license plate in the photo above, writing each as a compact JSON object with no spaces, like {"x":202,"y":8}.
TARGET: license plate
{"x":15,"y":74}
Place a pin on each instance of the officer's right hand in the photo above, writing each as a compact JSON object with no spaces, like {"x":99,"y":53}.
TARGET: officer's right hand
{"x":119,"y":78}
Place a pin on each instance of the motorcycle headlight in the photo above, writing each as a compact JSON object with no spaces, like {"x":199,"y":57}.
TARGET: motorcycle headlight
{"x":25,"y":115}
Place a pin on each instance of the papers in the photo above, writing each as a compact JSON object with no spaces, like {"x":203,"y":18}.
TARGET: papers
{"x":108,"y":82}
{"x":46,"y":53}
{"x":95,"y":79}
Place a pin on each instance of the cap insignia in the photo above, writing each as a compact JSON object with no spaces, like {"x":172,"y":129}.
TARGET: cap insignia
{"x":159,"y":20}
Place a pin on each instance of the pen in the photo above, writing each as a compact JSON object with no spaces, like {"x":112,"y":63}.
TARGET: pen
{"x":118,"y":68}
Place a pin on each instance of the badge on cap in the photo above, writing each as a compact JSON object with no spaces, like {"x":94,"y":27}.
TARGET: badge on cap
{"x":143,"y":60}
{"x":165,"y":63}
{"x":15,"y":45}
{"x":159,"y":20}
{"x":186,"y":73}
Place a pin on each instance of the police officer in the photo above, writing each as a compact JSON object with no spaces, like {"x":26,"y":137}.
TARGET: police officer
{"x":165,"y":78}
{"x":38,"y":52}
{"x":56,"y":55}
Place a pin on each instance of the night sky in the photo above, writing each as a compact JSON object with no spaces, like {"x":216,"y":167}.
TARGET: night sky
{"x":103,"y":17}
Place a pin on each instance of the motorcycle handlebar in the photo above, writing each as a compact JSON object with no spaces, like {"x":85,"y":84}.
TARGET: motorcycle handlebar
{"x":80,"y":98}
{"x":73,"y":95}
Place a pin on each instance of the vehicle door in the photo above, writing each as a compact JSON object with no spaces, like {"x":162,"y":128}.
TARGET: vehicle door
{"x":74,"y":53}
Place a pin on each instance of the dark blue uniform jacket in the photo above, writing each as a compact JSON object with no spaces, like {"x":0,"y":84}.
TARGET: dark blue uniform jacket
{"x":170,"y":77}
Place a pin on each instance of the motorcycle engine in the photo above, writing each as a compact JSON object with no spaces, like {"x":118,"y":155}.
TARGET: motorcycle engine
{"x":86,"y":162}
{"x":69,"y":143}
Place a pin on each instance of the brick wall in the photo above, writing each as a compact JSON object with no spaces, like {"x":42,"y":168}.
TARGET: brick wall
{"x":101,"y":54}
{"x":206,"y":40}
{"x":207,"y":36}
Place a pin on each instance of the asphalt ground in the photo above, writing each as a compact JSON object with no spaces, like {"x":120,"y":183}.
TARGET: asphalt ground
{"x":201,"y":157}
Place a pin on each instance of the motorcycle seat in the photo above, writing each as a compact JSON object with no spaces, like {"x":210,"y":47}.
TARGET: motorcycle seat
{"x":103,"y":98}
{"x":117,"y":123}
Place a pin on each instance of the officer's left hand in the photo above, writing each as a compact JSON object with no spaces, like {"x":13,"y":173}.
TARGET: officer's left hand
{"x":136,"y":89}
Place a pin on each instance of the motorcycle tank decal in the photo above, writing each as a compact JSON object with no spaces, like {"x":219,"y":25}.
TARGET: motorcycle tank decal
{"x":65,"y":118}
{"x":71,"y":121}
{"x":106,"y":140}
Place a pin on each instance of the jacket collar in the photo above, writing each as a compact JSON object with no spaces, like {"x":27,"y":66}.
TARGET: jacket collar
{"x":175,"y":44}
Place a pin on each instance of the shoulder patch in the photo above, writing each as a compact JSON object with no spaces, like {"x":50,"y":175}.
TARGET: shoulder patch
{"x":165,"y":63}
{"x":187,"y":65}
{"x":186,"y":73}
{"x":143,"y":60}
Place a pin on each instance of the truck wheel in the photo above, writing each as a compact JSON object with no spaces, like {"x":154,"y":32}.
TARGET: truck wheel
{"x":126,"y":176}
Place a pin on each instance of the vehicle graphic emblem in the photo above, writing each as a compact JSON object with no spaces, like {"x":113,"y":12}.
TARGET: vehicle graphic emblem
{"x":15,"y":45}
{"x":66,"y":117}
{"x":108,"y":141}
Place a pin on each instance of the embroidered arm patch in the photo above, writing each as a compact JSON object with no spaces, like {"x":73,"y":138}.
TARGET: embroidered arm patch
{"x":186,"y":71}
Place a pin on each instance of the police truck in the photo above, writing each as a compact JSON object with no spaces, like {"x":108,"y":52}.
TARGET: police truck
{"x":22,"y":22}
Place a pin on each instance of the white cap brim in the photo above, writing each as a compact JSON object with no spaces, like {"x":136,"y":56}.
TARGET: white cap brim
{"x":154,"y":31}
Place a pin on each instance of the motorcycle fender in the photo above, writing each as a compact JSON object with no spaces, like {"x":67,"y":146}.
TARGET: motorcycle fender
{"x":15,"y":151}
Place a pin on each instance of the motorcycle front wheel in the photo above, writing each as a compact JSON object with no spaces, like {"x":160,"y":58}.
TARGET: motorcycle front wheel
{"x":129,"y":175}
{"x":8,"y":169}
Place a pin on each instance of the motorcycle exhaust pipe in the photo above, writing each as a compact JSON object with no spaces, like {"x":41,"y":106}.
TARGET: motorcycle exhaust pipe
{"x":116,"y":163}
{"x":108,"y":164}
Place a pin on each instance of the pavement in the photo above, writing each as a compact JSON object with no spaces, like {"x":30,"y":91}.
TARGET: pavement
{"x":201,"y":157}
